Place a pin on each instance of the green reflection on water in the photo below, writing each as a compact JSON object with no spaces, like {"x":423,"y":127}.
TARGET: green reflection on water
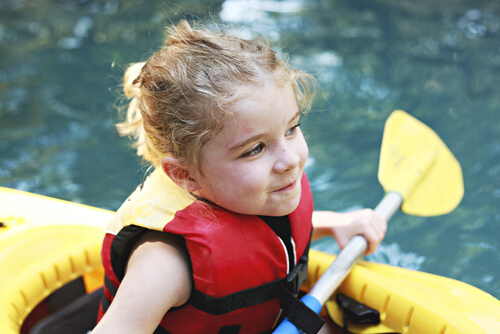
{"x":61,"y":65}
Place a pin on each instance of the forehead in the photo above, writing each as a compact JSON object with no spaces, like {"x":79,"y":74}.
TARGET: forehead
{"x":261,"y":111}
{"x":263,"y":102}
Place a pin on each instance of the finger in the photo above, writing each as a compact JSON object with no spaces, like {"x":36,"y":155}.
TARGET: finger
{"x":342,"y":242}
{"x":374,"y":237}
{"x":380,"y":226}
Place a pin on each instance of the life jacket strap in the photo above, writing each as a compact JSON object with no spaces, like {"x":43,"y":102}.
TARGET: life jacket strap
{"x":299,"y":314}
{"x":256,"y":295}
{"x":235,"y":301}
{"x":295,"y":310}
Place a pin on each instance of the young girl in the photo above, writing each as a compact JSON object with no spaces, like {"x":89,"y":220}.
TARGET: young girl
{"x":205,"y":244}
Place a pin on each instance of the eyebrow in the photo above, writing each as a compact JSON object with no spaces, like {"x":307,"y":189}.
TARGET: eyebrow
{"x":257,"y":136}
{"x":245,"y":142}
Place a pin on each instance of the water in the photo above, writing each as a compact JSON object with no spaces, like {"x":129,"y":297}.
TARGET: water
{"x":61,"y":65}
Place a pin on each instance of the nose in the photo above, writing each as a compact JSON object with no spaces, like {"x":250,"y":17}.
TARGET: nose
{"x":286,"y":158}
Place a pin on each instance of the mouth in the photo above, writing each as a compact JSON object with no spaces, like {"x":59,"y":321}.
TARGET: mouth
{"x":289,"y":186}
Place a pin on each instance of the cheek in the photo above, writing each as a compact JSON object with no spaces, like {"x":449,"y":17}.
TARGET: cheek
{"x":248,"y":179}
{"x":230,"y":175}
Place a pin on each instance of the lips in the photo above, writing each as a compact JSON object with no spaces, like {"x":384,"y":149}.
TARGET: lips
{"x":289,"y":186}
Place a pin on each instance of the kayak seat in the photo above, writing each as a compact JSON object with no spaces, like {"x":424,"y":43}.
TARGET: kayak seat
{"x":78,"y":317}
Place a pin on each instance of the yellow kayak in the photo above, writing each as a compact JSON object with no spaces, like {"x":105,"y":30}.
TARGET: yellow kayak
{"x":48,"y":244}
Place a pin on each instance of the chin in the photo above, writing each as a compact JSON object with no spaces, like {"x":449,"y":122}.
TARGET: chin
{"x":284,"y":210}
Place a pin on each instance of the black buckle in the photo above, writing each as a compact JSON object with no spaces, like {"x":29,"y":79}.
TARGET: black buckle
{"x":297,"y":276}
{"x":357,"y":312}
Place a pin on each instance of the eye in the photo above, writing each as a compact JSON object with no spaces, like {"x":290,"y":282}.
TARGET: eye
{"x":254,"y":151}
{"x":292,"y":130}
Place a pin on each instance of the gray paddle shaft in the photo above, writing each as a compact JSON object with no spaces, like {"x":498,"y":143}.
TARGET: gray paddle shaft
{"x":355,"y":248}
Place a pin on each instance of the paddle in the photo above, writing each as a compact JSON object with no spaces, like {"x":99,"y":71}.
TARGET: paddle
{"x":418,"y":173}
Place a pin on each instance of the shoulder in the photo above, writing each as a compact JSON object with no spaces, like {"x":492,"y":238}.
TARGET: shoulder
{"x":157,"y":258}
{"x":157,"y":278}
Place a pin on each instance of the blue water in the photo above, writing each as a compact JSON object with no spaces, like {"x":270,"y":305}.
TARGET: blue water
{"x":61,"y":65}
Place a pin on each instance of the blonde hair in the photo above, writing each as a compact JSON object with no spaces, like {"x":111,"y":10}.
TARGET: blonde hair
{"x":180,"y":94}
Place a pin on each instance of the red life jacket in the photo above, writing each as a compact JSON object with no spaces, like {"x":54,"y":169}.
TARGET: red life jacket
{"x":238,"y":261}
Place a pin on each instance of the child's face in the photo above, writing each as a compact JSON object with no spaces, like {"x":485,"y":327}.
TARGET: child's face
{"x":255,"y":164}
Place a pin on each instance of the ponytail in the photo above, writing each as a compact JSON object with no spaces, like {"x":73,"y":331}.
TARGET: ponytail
{"x":133,"y":125}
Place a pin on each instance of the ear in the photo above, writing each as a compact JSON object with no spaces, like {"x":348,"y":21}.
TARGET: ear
{"x":179,"y":174}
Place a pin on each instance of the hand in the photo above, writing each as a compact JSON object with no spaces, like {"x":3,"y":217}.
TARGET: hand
{"x":344,"y":226}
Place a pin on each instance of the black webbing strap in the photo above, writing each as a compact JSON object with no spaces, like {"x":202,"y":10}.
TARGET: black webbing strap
{"x":241,"y":299}
{"x":285,"y":289}
{"x":111,"y":289}
{"x":253,"y":296}
{"x":122,"y":246}
{"x":296,"y":311}
{"x":104,"y":303}
{"x":299,"y":314}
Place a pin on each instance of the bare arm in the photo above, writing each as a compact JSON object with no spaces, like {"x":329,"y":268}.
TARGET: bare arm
{"x":343,"y":226}
{"x":157,"y":278}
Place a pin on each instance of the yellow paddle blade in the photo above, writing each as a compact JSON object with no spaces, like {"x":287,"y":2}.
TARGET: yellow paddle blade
{"x":416,"y":163}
